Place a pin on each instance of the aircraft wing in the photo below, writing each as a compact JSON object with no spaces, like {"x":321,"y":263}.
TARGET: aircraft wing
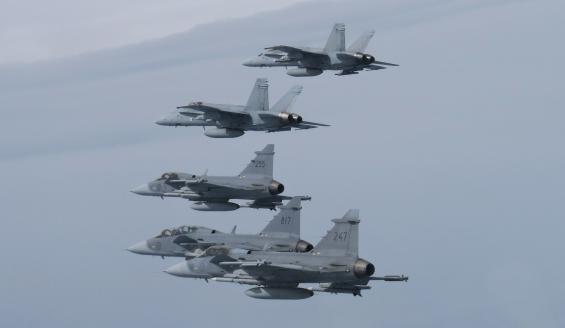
{"x":263,"y":268}
{"x":357,"y":69}
{"x":271,"y":118}
{"x":193,"y":183}
{"x":301,"y":126}
{"x":268,"y":202}
{"x":218,"y":111}
{"x":266,"y":265}
{"x":296,"y":52}
{"x":272,"y":201}
{"x":373,"y":67}
{"x":309,"y":125}
{"x":342,"y":288}
{"x":350,"y":57}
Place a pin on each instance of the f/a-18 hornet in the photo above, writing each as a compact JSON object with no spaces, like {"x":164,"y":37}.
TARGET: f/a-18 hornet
{"x":313,"y":61}
{"x":231,"y":121}
{"x":213,"y":193}
{"x":333,"y":263}
{"x":282,"y":234}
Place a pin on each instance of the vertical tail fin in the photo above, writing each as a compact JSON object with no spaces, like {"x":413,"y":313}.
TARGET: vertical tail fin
{"x":262,"y":164}
{"x":286,"y":223}
{"x":259,"y":97}
{"x":343,"y":238}
{"x":336,"y":41}
{"x":285,"y":103}
{"x":361,"y":44}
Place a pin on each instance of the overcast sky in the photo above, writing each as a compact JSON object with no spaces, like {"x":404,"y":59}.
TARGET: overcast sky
{"x":455,"y":159}
{"x":38,"y":30}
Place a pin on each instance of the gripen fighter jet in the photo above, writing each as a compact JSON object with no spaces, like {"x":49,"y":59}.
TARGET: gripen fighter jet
{"x":213,"y":193}
{"x":282,"y":234}
{"x":313,"y":61}
{"x":333,"y":263}
{"x":231,"y":121}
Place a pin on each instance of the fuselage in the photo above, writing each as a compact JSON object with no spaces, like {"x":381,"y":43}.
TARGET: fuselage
{"x":320,"y":268}
{"x":324,"y":61}
{"x":254,"y":121}
{"x":188,"y":241}
{"x":220,"y":188}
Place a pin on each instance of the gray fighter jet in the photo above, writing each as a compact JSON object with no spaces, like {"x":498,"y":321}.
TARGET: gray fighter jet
{"x":231,"y":121}
{"x":213,"y":193}
{"x":313,"y":61}
{"x":282,"y":234}
{"x":333,"y":263}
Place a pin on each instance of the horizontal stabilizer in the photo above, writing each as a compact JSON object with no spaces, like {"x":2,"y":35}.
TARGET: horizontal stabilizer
{"x":314,"y":123}
{"x":385,"y":63}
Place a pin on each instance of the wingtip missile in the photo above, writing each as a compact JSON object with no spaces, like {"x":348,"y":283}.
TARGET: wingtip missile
{"x":391,"y":278}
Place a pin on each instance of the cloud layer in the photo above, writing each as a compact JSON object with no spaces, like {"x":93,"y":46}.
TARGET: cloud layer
{"x":35,"y":30}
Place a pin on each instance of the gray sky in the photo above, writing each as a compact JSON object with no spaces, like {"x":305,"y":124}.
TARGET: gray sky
{"x":36,"y":30}
{"x":455,"y":159}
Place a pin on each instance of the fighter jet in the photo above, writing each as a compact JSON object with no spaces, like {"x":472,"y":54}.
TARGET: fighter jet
{"x":282,"y":234}
{"x":333,"y":263}
{"x":314,"y":61}
{"x":231,"y":121}
{"x":213,"y":193}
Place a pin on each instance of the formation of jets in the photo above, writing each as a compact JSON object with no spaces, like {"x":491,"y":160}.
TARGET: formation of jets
{"x":276,"y":262}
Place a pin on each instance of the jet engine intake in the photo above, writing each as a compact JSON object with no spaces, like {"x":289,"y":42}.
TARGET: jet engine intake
{"x":362,"y":268}
{"x":276,"y":188}
{"x":303,"y":246}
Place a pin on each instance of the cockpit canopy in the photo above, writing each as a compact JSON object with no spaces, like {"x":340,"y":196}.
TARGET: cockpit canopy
{"x":177,"y":231}
{"x":168,"y":176}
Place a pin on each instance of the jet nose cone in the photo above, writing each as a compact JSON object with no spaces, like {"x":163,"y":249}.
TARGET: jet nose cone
{"x":161,"y":122}
{"x":178,"y":270}
{"x":251,"y":62}
{"x":140,"y":248}
{"x":141,"y":190}
{"x":170,"y":119}
{"x":166,"y":121}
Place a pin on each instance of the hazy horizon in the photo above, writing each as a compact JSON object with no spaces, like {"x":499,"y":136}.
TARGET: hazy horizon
{"x":454,"y":158}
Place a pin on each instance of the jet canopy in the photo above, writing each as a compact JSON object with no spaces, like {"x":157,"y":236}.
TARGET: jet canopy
{"x":175,"y":176}
{"x":177,"y":231}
